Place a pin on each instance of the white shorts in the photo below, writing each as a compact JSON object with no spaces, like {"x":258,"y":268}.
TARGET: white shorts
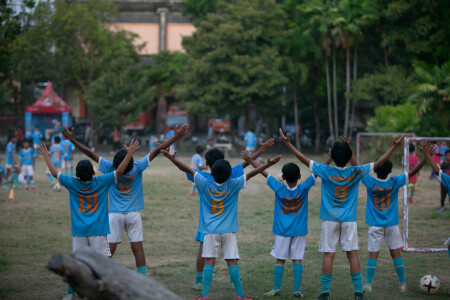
{"x":10,"y":166}
{"x":171,"y":149}
{"x":285,"y":245}
{"x":346,"y":233}
{"x":67,"y":164}
{"x":36,"y":146}
{"x":132,"y":224}
{"x":250,"y":149}
{"x":391,"y":234}
{"x":27,"y":170}
{"x":97,"y":243}
{"x":227,"y":241}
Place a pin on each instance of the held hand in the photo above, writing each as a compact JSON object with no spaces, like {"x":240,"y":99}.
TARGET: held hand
{"x":246,"y":157}
{"x":134,"y":145}
{"x":68,"y":134}
{"x":398,"y":142}
{"x":168,"y":155}
{"x":284,"y":138}
{"x":273,"y":161}
{"x":269,"y":143}
{"x":179,"y":132}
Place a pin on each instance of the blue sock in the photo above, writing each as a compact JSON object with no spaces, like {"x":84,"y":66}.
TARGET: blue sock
{"x":142,"y":269}
{"x":370,"y":270}
{"x":70,"y":290}
{"x":198,"y":277}
{"x":235,"y":277}
{"x":298,"y":272}
{"x":65,"y":173}
{"x":207,"y":278}
{"x":193,"y":188}
{"x":357,"y":282}
{"x":72,"y":173}
{"x":278,"y":276}
{"x":50,"y":177}
{"x":400,"y":269}
{"x":325,"y":280}
{"x":15,"y":177}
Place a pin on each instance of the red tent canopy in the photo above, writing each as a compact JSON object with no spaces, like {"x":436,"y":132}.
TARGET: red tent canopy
{"x":49,"y":103}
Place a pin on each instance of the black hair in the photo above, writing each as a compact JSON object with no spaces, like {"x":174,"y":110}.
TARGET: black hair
{"x":341,"y":153}
{"x":384,"y":170}
{"x":221,"y":171}
{"x":119,"y":157}
{"x":213,"y":155}
{"x":412,"y":147}
{"x":199,"y":149}
{"x":57,"y":139}
{"x":291,"y":172}
{"x":84,"y":170}
{"x":27,"y":141}
{"x":37,"y":126}
{"x":11,"y":137}
{"x":447,"y":152}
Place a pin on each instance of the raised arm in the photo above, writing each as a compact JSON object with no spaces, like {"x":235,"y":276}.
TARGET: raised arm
{"x":183,"y":167}
{"x":264,"y":147}
{"x":249,"y":160}
{"x":395,"y":144}
{"x":428,"y":151}
{"x":286,"y":140}
{"x":134,"y":145}
{"x":46,"y":155}
{"x":179,"y":133}
{"x":70,"y":136}
{"x":344,"y":139}
{"x":270,"y":162}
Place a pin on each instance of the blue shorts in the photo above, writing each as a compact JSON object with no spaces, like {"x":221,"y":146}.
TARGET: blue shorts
{"x":199,"y":236}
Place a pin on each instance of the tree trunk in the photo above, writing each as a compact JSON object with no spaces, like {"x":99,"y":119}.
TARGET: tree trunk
{"x":347,"y":90}
{"x":95,"y":276}
{"x":318,"y":144}
{"x":355,"y":70}
{"x":294,"y":94}
{"x":336,"y":127}
{"x":330,"y":108}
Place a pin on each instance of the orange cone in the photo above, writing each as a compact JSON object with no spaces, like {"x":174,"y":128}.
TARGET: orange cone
{"x":11,"y":194}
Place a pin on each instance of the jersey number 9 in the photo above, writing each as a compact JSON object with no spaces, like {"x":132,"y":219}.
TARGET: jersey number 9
{"x":340,"y":191}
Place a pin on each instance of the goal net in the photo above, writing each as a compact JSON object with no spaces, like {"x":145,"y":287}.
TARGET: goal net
{"x":425,"y":227}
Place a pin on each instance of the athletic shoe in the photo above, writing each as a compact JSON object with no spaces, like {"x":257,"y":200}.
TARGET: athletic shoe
{"x":200,"y":298}
{"x":324,"y":296}
{"x":26,"y":189}
{"x":441,"y":208}
{"x":16,"y":186}
{"x":245,"y":298}
{"x":367,"y":288}
{"x":33,"y":190}
{"x":5,"y":187}
{"x":272,"y":293}
{"x":359,"y":296}
{"x":68,"y":297}
{"x":191,"y":193}
{"x":402,"y":287}
{"x":298,"y":295}
{"x":197,"y":286}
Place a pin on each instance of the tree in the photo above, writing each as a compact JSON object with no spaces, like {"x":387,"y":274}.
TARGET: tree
{"x":198,"y":9}
{"x":234,"y":60}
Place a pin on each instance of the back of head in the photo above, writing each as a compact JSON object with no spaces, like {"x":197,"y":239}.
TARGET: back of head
{"x":199,"y":149}
{"x":84,"y":170}
{"x":412,"y":148}
{"x":221,"y":171}
{"x":291,"y":172}
{"x":212,"y":156}
{"x":384,"y":170}
{"x":12,"y":138}
{"x":341,"y":154}
{"x":119,"y":157}
{"x":57,"y":139}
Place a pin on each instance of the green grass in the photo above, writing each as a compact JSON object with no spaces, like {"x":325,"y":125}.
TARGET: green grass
{"x":33,"y":227}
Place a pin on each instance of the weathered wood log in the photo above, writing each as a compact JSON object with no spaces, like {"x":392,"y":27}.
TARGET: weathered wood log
{"x":94,"y":276}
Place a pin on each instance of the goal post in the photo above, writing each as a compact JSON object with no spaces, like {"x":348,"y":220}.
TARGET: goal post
{"x":425,"y":217}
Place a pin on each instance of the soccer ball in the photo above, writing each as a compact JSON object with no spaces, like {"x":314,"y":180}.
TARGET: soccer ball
{"x":57,"y":187}
{"x":429,"y":284}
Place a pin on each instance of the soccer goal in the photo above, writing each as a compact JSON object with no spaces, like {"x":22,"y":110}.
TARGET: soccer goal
{"x":425,"y":228}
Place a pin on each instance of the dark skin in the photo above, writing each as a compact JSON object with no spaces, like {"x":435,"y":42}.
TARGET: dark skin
{"x":136,"y":247}
{"x":185,"y":168}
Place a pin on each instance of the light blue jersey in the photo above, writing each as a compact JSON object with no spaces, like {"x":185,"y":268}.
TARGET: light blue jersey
{"x":88,"y":203}
{"x":444,"y":179}
{"x":10,"y":153}
{"x":250,"y":139}
{"x":37,"y":136}
{"x":2,"y":172}
{"x":127,"y":194}
{"x":339,"y":190}
{"x":196,"y":161}
{"x":219,"y":204}
{"x":68,"y":149}
{"x":290,"y":215}
{"x":382,"y":199}
{"x":27,"y":156}
{"x":152,"y":141}
{"x":58,"y":155}
{"x":170,"y":134}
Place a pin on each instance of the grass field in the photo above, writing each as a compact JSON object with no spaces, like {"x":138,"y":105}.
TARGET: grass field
{"x":33,"y":227}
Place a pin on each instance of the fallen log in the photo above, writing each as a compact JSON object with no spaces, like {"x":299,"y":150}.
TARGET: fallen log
{"x":94,"y":276}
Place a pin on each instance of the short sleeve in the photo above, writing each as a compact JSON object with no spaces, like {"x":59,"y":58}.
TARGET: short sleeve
{"x":200,"y":181}
{"x":366,"y":180}
{"x":273,"y":183}
{"x":402,"y":180}
{"x":143,"y":163}
{"x":108,"y":179}
{"x":63,"y":179}
{"x":189,"y":176}
{"x":310,"y":181}
{"x":366,"y":169}
{"x":199,"y":161}
{"x":318,"y":169}
{"x":239,"y":183}
{"x":237,"y":171}
{"x":105,"y":166}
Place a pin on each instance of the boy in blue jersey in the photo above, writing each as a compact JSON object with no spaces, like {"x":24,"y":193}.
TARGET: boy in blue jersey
{"x":11,"y":165}
{"x":57,"y":156}
{"x":88,"y":199}
{"x":338,"y":207}
{"x":67,"y":163}
{"x":197,"y":164}
{"x":170,"y":134}
{"x":219,"y":220}
{"x":211,"y":157}
{"x":2,"y":177}
{"x":443,"y":177}
{"x":37,"y":136}
{"x":126,"y":198}
{"x":382,"y":218}
{"x":27,"y":162}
